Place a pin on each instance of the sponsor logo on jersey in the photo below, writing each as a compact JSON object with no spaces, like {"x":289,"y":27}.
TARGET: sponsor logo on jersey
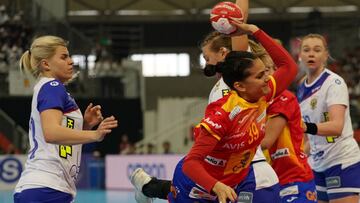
{"x":54,"y":83}
{"x":318,"y":156}
{"x":245,"y":197}
{"x":212,"y":123}
{"x":292,"y":190}
{"x":311,"y":195}
{"x":235,"y":146}
{"x":337,"y":81}
{"x":225,"y":92}
{"x":234,"y":112}
{"x":332,"y":182}
{"x":74,"y":171}
{"x":218,"y":113}
{"x":243,"y":119}
{"x":291,"y":199}
{"x":283,"y":98}
{"x":215,"y":161}
{"x":66,"y":150}
{"x":313,"y":103}
{"x":284,"y":152}
{"x":262,"y":116}
{"x":302,"y":155}
{"x":196,"y":193}
{"x":236,"y":135}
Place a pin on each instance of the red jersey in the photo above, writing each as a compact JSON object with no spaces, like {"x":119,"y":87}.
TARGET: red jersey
{"x":239,"y":127}
{"x":236,"y":127}
{"x":287,"y":155}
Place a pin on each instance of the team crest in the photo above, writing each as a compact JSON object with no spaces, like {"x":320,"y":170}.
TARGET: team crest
{"x":313,"y":103}
{"x":225,"y":92}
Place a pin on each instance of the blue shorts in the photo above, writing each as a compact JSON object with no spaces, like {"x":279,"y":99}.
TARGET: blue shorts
{"x":42,"y":195}
{"x":188,"y":191}
{"x":337,"y":182}
{"x":298,"y":192}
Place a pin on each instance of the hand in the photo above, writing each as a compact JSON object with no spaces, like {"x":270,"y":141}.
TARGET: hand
{"x":92,"y":116}
{"x":243,"y":28}
{"x":224,"y":192}
{"x":105,"y":127}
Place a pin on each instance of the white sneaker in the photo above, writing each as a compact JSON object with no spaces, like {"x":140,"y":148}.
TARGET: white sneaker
{"x":139,"y":178}
{"x":141,"y":198}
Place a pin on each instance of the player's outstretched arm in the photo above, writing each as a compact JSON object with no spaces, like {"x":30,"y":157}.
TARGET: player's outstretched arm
{"x":55,"y":133}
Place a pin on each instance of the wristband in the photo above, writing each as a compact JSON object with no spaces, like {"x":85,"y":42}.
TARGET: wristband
{"x":311,"y":128}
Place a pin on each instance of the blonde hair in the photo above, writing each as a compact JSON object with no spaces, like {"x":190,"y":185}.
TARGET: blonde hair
{"x":318,"y":36}
{"x":43,"y":47}
{"x":257,"y":49}
{"x":216,"y":41}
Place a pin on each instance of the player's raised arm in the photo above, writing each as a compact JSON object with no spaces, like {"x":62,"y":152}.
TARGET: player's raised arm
{"x":240,"y":43}
{"x":286,"y":66}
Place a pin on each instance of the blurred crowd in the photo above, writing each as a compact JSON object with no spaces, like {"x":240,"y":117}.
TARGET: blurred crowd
{"x":127,"y":147}
{"x":348,"y":66}
{"x":14,"y":38}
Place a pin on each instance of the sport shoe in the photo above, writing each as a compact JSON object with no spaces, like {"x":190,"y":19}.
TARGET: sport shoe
{"x":141,"y":198}
{"x":139,"y":178}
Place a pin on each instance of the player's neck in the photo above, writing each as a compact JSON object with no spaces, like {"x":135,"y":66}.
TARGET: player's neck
{"x":313,"y":75}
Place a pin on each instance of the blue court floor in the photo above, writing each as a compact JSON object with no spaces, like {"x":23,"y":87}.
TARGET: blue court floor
{"x":89,"y":196}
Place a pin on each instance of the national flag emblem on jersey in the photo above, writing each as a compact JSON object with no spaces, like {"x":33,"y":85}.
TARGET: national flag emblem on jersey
{"x":313,"y":103}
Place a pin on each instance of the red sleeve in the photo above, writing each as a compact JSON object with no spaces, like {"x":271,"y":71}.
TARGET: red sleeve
{"x":286,"y":66}
{"x":216,"y":119}
{"x":283,"y":104}
{"x":203,"y":145}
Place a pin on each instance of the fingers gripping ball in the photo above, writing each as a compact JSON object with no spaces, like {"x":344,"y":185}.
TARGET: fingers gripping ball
{"x":222,"y":14}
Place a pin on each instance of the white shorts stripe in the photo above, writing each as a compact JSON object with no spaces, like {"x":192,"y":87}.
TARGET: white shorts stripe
{"x":345,"y":189}
{"x":321,"y":188}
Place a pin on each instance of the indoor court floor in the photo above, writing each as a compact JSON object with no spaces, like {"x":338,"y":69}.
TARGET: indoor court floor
{"x":90,"y":196}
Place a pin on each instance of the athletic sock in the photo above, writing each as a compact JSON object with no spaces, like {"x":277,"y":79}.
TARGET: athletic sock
{"x":157,"y":188}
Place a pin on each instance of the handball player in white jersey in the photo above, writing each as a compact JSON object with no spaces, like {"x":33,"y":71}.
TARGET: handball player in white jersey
{"x":57,"y":128}
{"x":324,"y":101}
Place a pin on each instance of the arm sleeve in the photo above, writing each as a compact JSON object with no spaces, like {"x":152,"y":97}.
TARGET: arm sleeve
{"x":286,"y":66}
{"x":337,"y":93}
{"x":204,"y":144}
{"x":52,"y":95}
{"x":283,"y":106}
{"x":215,"y":120}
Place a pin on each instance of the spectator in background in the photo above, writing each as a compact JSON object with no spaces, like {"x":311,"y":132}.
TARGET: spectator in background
{"x":167,"y":147}
{"x":124,"y":144}
{"x":150,"y":148}
{"x":132,"y":148}
{"x":4,"y":17}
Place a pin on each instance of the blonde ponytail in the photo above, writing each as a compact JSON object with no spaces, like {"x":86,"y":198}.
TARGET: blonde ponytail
{"x":42,"y":48}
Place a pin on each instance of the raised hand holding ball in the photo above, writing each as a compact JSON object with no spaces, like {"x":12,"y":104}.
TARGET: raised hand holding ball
{"x":222,"y":14}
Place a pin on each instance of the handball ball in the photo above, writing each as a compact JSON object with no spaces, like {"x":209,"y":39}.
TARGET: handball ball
{"x":221,"y":15}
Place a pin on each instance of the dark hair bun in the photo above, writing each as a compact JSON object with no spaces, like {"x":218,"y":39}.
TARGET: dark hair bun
{"x":210,"y":70}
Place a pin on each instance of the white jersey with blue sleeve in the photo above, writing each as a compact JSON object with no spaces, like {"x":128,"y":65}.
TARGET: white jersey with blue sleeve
{"x":51,"y":165}
{"x":315,"y":99}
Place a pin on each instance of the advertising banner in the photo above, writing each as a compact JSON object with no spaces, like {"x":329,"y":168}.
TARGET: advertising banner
{"x":11,"y":167}
{"x":118,"y":168}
